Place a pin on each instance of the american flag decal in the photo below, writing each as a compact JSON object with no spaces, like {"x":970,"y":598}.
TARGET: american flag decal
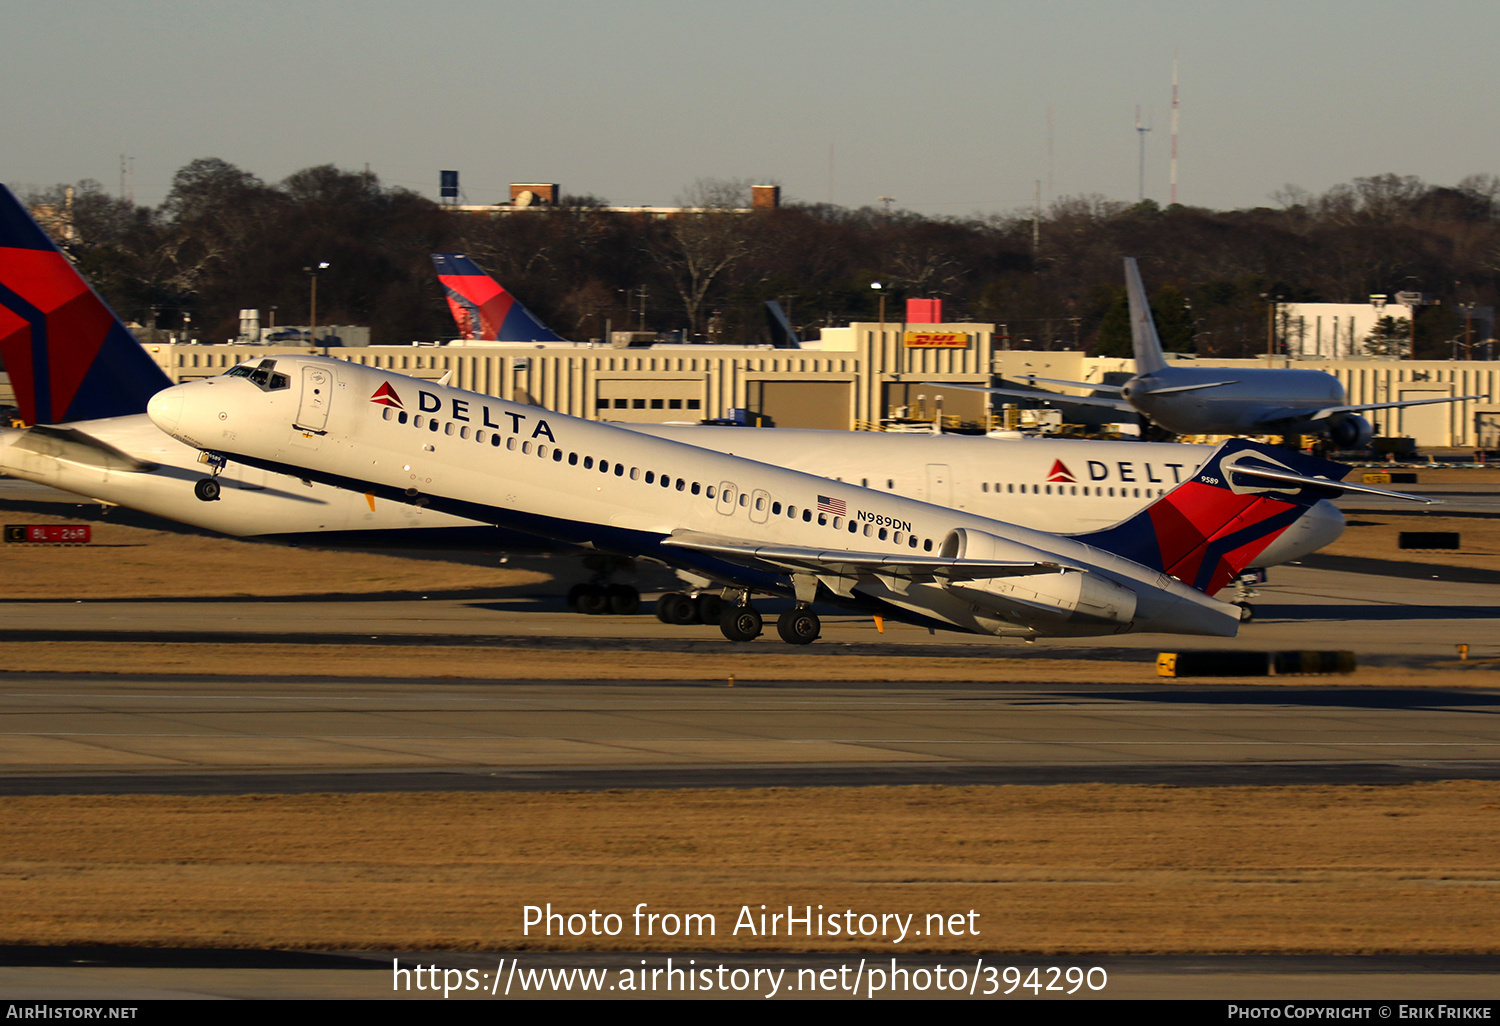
{"x":835,"y":506}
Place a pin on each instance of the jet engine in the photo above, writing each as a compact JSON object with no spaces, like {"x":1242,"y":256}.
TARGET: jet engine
{"x":1350,"y":431}
{"x":1066,"y":597}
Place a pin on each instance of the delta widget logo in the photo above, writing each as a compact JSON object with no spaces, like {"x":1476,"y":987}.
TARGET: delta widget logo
{"x":1060,"y":472}
{"x":385,"y":395}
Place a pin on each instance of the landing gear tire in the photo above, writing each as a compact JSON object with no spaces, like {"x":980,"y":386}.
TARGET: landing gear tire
{"x":1247,"y":612}
{"x":710,"y":608}
{"x":623,"y":599}
{"x":740,"y":623}
{"x":799,"y":627}
{"x":207,"y":490}
{"x":676,"y":608}
{"x":575,"y":593}
{"x":593,"y":600}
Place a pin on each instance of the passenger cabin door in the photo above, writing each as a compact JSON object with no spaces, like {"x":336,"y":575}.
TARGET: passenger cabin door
{"x":760,"y":506}
{"x":317,"y":390}
{"x":728,"y":495}
{"x":939,"y":485}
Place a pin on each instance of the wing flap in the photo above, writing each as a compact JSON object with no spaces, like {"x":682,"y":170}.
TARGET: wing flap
{"x":845,"y":563}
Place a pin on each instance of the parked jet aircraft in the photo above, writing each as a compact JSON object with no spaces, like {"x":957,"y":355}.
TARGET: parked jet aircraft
{"x":56,"y":335}
{"x":752,"y":527}
{"x":1221,"y":401}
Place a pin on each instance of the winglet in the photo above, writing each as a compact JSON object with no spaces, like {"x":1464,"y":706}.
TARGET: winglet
{"x":68,"y":355}
{"x":1143,"y":337}
{"x":485,"y":311}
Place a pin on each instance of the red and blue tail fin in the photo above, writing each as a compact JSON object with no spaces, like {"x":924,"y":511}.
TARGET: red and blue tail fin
{"x":68,"y":356}
{"x":483,"y":309}
{"x":1206,"y":531}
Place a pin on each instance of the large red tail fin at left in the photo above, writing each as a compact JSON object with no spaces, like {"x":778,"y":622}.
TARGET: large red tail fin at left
{"x":68,"y":356}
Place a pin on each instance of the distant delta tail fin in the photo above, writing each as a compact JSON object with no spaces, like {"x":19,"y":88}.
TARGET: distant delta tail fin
{"x":485,"y":311}
{"x":1207,"y":530}
{"x":1143,"y":337}
{"x":783,"y":335}
{"x":68,"y":356}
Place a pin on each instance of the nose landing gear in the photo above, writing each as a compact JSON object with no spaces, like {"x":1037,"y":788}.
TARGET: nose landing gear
{"x":207,"y":489}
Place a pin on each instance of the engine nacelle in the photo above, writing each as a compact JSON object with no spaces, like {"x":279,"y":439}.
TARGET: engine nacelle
{"x":1071,"y":596}
{"x":1350,"y":431}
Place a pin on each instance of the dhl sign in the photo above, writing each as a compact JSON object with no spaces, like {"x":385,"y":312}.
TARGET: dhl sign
{"x":936,"y":340}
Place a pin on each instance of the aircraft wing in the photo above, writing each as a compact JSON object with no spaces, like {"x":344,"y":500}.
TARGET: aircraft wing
{"x":1329,"y":411}
{"x":844,"y":563}
{"x":1051,"y":397}
{"x":75,"y":446}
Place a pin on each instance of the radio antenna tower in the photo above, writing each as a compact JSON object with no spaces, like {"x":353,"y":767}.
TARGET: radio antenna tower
{"x":1174,"y":130}
{"x":1141,"y":131}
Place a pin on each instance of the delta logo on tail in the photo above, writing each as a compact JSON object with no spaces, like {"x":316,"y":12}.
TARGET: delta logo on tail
{"x":385,"y":395}
{"x":485,"y":311}
{"x":1208,"y":529}
{"x":1060,"y":472}
{"x":68,"y":356}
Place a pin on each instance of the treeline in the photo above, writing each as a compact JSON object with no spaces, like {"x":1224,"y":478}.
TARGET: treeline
{"x":223,"y":239}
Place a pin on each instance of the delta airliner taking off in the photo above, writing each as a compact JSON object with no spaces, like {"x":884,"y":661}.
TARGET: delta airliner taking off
{"x":750,"y":526}
{"x":83,"y":382}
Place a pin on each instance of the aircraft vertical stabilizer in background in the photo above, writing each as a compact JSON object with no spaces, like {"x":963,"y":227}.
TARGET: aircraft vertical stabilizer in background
{"x":485,"y":311}
{"x":783,"y":335}
{"x":68,"y":356}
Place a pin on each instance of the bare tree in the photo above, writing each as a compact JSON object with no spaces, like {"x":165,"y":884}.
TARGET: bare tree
{"x":702,"y":242}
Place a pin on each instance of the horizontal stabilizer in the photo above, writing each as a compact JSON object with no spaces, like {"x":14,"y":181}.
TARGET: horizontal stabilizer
{"x":1032,"y":379}
{"x":1174,"y":389}
{"x":1335,"y":487}
{"x":1050,"y":397}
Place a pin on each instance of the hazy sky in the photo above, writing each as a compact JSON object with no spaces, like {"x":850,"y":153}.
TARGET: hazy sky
{"x":942,"y":104}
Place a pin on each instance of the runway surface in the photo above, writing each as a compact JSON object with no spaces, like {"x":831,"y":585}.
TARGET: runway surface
{"x":104,"y":733}
{"x":1330,"y":603}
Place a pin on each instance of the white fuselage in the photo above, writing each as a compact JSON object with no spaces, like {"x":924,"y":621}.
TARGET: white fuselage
{"x":157,"y":474}
{"x":1061,"y":485}
{"x":604,"y":487}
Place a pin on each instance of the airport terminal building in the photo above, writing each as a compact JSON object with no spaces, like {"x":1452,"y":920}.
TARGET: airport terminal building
{"x":861,"y":376}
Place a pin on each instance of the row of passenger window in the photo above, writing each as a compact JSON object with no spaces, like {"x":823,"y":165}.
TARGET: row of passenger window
{"x":653,"y":404}
{"x":744,"y":500}
{"x":1100,"y":491}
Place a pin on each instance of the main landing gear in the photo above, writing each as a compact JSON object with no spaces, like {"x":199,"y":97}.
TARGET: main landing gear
{"x":597,"y":599}
{"x":1244,"y":591}
{"x":679,"y":608}
{"x":599,"y":596}
{"x":799,"y":626}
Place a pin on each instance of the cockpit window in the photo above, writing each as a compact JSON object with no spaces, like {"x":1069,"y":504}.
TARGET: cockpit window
{"x":262,"y":375}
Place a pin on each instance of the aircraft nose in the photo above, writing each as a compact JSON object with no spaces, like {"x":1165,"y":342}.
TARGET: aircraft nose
{"x":165,"y":409}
